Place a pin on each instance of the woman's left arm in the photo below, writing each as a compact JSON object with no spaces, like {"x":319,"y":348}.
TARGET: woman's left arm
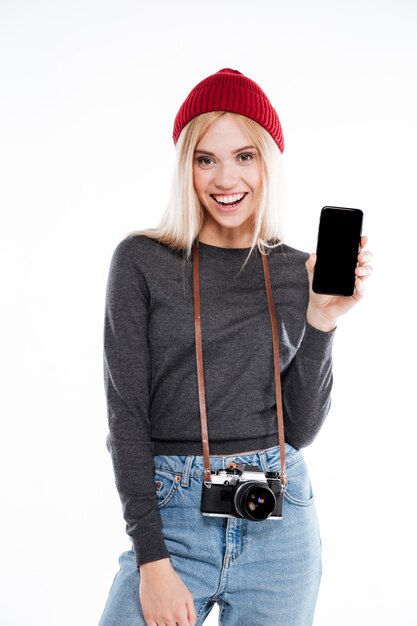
{"x":323,"y":311}
{"x":307,"y":383}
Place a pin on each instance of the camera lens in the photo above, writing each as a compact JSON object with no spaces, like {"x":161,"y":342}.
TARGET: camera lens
{"x":254,"y":501}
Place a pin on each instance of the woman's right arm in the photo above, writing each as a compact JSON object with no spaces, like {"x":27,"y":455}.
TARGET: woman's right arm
{"x":127,"y":378}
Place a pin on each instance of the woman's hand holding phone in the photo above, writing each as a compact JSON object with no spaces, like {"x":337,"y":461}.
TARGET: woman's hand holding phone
{"x":324,"y":310}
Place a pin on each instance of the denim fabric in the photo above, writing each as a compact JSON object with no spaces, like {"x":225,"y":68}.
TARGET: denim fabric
{"x":263,"y":573}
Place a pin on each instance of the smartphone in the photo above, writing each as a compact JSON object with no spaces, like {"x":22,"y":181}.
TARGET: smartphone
{"x":338,"y":245}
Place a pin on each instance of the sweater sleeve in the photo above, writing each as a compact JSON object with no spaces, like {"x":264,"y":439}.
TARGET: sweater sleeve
{"x":127,"y":377}
{"x":306,"y":387}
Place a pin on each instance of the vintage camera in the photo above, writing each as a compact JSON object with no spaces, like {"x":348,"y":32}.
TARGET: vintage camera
{"x":243,"y":491}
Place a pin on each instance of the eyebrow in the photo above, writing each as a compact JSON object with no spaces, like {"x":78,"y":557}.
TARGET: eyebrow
{"x":233,"y":152}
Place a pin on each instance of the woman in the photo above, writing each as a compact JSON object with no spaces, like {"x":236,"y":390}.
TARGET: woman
{"x":224,"y":207}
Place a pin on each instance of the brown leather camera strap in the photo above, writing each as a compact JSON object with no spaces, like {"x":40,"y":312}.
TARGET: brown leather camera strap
{"x":200,"y":369}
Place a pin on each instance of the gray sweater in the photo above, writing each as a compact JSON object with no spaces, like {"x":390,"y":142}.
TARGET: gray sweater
{"x":150,"y":369}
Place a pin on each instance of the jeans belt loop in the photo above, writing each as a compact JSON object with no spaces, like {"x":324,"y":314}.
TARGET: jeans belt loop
{"x":186,"y":471}
{"x":263,"y":461}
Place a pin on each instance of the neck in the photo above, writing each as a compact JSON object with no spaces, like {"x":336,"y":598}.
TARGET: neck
{"x":226,"y":241}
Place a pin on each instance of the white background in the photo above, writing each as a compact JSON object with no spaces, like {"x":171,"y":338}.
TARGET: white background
{"x":89,"y":92}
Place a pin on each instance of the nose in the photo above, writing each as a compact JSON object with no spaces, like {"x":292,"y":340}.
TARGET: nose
{"x":226,"y":176}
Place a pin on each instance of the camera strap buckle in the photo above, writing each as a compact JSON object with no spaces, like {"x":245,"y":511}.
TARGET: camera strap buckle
{"x":207,"y":481}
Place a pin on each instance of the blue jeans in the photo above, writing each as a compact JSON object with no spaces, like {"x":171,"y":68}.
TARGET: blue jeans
{"x":260,"y":573}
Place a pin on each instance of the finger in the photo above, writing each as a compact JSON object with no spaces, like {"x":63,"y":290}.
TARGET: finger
{"x":359,"y":289}
{"x":364,"y":241}
{"x":364,"y":257}
{"x":179,"y":621}
{"x":192,"y":614}
{"x":364,"y":271}
{"x":311,"y":261}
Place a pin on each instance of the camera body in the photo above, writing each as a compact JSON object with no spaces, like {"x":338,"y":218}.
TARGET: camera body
{"x":243,"y":491}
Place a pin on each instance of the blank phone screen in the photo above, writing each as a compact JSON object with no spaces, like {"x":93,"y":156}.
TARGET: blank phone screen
{"x":337,"y":250}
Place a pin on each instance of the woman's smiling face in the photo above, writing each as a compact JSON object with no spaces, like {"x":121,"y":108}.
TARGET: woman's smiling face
{"x":227,"y":180}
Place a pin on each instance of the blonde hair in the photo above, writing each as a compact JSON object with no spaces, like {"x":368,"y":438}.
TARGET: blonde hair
{"x":184,"y":215}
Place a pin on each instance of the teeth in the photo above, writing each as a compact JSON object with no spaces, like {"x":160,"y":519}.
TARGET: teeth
{"x":229,"y":199}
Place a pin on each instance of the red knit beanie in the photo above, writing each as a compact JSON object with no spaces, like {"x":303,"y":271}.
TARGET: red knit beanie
{"x":229,"y":90}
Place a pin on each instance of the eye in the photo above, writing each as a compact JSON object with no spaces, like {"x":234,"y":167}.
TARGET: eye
{"x":204,"y":160}
{"x":246,"y":156}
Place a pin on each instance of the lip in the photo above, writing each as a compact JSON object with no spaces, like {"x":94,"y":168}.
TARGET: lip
{"x":224,"y":209}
